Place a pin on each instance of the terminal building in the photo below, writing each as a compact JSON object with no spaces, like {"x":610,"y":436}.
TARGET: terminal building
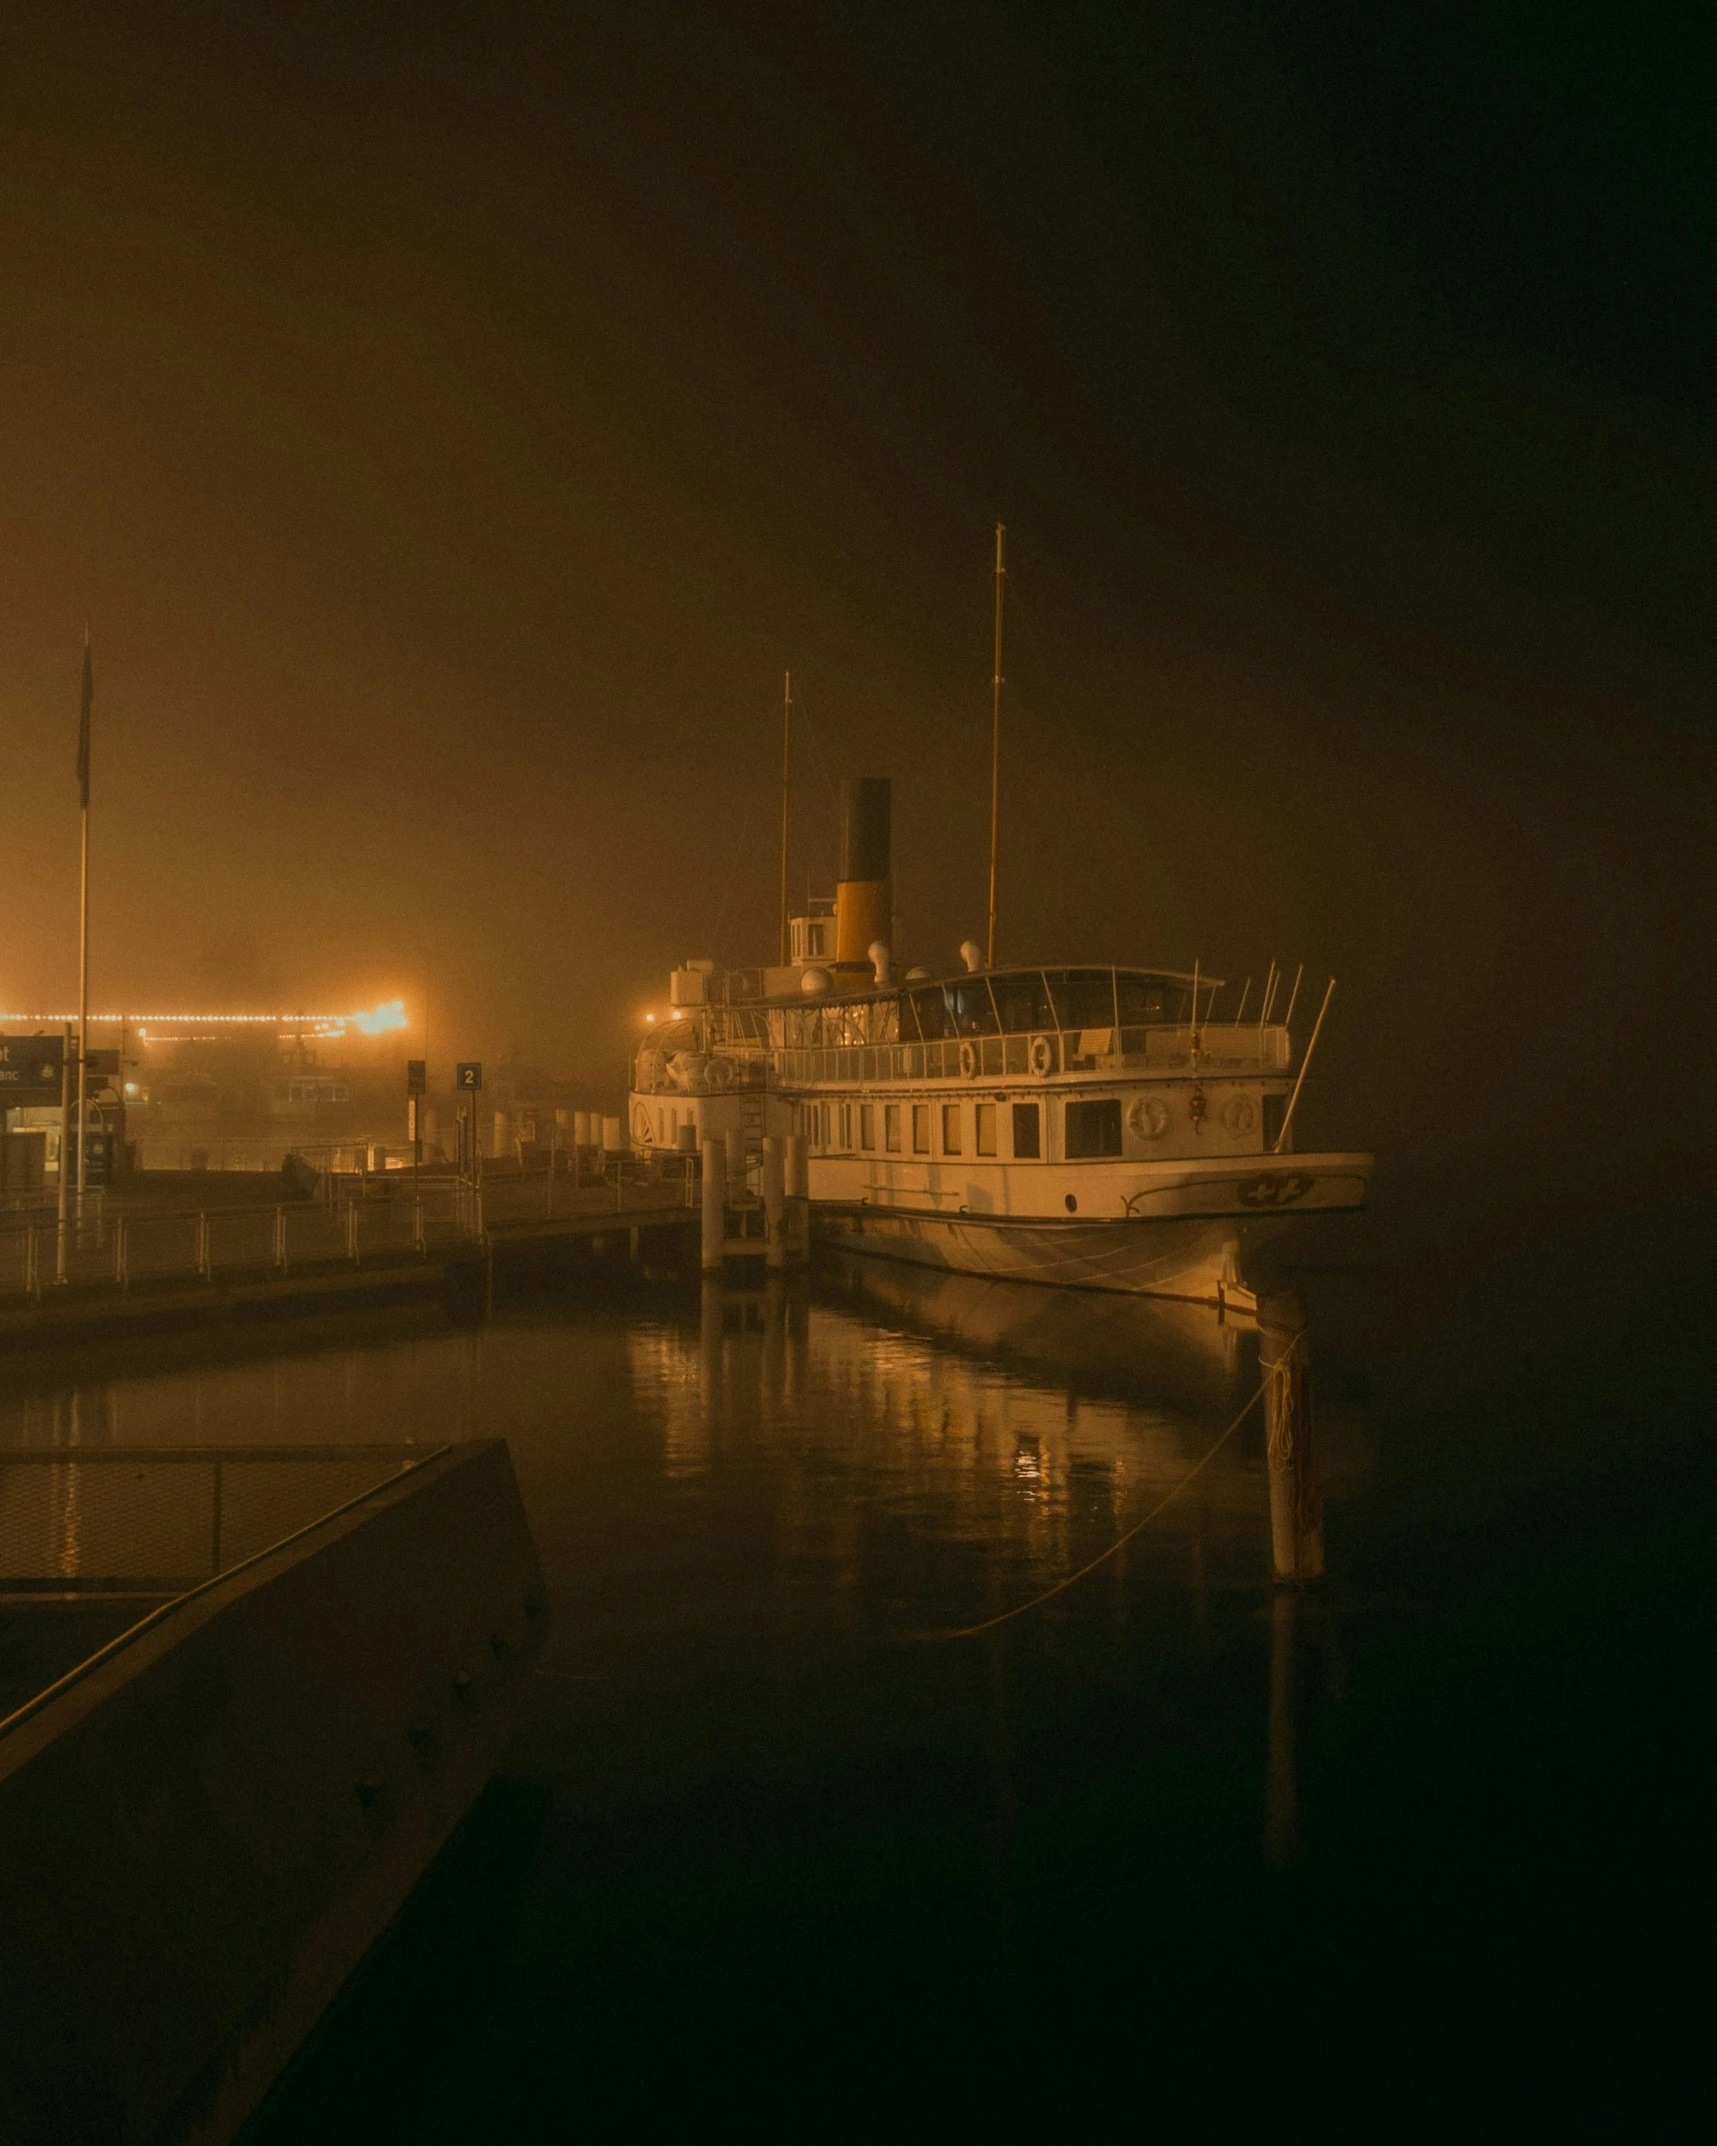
{"x":242,"y":1091}
{"x":228,"y":1091}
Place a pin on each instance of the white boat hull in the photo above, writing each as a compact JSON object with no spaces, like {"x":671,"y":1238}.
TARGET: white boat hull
{"x":1182,"y":1233}
{"x":1194,"y":1260}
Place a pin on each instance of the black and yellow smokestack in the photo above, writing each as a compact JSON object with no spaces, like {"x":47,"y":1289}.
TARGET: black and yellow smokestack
{"x":864,"y":896}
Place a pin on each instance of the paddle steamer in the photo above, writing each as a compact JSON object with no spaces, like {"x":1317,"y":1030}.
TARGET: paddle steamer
{"x":1096,"y":1126}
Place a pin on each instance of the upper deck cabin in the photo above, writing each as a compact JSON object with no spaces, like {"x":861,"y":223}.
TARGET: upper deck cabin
{"x":1022,"y":1022}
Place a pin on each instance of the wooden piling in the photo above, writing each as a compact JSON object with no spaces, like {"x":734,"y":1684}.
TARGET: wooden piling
{"x":714,"y":1204}
{"x":1296,"y":1498}
{"x":798,"y":1201}
{"x":774,"y":1205}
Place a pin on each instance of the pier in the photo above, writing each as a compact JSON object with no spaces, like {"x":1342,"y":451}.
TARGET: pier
{"x":211,"y":1819}
{"x":771,"y":1223}
{"x":140,"y":1260}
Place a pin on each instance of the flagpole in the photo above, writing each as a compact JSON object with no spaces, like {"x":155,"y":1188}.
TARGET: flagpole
{"x":83,"y":917}
{"x":83,"y":997}
{"x":65,"y":1150}
{"x":786,"y":795}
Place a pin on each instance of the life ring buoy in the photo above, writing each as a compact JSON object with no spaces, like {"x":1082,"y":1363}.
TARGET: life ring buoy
{"x":641,"y":1133}
{"x":1239,"y":1115}
{"x":1041,"y":1057}
{"x":968,"y":1058}
{"x":719,"y":1073}
{"x":1147,"y":1116}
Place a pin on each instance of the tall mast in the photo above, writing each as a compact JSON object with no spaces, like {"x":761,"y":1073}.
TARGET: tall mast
{"x":996,"y":743}
{"x":786,"y":775}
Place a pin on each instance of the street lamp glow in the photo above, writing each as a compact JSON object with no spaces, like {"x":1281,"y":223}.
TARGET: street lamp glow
{"x":380,"y":1019}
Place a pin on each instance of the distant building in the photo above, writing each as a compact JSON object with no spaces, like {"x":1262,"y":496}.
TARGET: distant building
{"x":239,"y":1091}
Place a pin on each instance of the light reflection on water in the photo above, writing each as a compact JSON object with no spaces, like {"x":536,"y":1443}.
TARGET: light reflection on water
{"x":753,"y":1843}
{"x":889,"y":1453}
{"x":751,"y":1508}
{"x":305,"y":1385}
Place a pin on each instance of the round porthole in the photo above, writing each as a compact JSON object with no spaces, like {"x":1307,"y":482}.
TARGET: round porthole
{"x":1071,"y":1204}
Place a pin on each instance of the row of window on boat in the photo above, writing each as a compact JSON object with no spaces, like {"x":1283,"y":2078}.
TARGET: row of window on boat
{"x":1012,"y":1002}
{"x":1088,"y":1129}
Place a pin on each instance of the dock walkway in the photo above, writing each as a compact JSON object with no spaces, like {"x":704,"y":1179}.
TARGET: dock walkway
{"x":368,"y":1239}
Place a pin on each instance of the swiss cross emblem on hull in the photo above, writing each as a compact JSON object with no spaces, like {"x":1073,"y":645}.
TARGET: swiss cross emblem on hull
{"x":1276,"y":1188}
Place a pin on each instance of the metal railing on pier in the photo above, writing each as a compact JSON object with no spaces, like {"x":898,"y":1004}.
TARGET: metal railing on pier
{"x":100,"y":1518}
{"x":356,"y":1220}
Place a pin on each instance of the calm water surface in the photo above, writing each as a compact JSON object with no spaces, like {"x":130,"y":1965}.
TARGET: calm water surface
{"x":768,"y":1848}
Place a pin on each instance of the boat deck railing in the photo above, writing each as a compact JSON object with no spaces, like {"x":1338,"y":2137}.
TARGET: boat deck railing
{"x":1234,"y":1046}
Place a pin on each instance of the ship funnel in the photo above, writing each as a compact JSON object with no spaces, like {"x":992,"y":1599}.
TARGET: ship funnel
{"x":864,"y":896}
{"x":972,"y":954}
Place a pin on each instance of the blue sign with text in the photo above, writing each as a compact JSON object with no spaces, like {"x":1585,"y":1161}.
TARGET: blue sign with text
{"x":30,"y":1068}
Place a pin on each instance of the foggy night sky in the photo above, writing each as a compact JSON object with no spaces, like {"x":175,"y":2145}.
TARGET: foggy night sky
{"x":451,"y":421}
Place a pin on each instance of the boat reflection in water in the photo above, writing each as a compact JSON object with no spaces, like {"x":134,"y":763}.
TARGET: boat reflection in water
{"x":945,"y":1450}
{"x":969,"y":1409}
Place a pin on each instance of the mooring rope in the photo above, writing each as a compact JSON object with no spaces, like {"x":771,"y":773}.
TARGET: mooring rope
{"x":1023,"y":1609}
